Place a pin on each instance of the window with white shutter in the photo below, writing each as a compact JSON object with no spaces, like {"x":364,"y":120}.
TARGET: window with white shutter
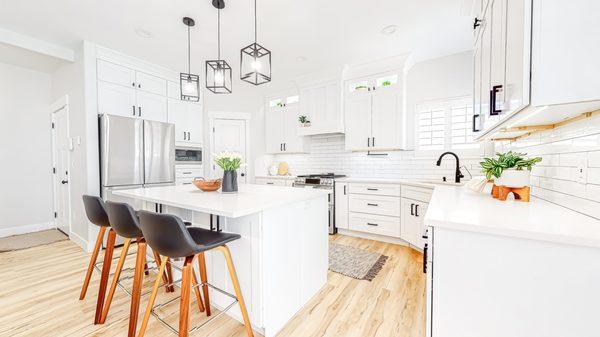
{"x":445,"y":125}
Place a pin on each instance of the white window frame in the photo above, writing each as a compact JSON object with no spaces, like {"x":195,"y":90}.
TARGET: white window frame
{"x":446,"y":104}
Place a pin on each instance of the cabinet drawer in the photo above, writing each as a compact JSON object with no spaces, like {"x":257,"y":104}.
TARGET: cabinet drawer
{"x":376,"y":224}
{"x":188,"y":172}
{"x":417,"y":193}
{"x":375,"y":189}
{"x":274,"y":182}
{"x":381,"y":205}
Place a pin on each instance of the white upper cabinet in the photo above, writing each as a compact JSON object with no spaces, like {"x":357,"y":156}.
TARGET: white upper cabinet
{"x":150,"y":83}
{"x":373,"y":111}
{"x":116,"y":99}
{"x":320,"y":103}
{"x":187,"y":118}
{"x":114,"y":73}
{"x":538,"y":66}
{"x":151,"y":106}
{"x":281,"y":126}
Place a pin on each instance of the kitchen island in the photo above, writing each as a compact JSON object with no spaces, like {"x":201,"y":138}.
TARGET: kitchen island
{"x":282,"y":257}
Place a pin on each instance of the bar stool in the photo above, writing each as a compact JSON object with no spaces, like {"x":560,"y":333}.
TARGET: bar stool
{"x":168,"y":235}
{"x":96,"y":213}
{"x":124,"y":221}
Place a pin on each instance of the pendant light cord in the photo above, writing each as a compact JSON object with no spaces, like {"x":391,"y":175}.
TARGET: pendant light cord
{"x":219,"y":34}
{"x":189,"y":53}
{"x":255,"y":15}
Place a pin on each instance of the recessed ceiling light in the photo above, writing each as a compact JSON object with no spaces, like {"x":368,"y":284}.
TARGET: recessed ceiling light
{"x":143,"y":33}
{"x":389,"y":30}
{"x":301,"y":58}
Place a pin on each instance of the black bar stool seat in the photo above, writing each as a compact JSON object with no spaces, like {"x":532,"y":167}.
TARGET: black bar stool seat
{"x":207,"y":239}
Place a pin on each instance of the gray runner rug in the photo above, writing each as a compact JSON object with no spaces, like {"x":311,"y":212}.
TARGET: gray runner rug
{"x":354,"y":262}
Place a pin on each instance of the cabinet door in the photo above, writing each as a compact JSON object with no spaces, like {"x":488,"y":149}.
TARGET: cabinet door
{"x":274,"y":130}
{"x":486,"y":66}
{"x":195,"y":127}
{"x":177,"y":113}
{"x":115,"y":99}
{"x":477,"y":91}
{"x":358,"y":121}
{"x":116,"y":74}
{"x":151,"y":106}
{"x":497,"y":26}
{"x":150,"y":83}
{"x":517,"y":59}
{"x":385,"y":119}
{"x":292,"y":143}
{"x":413,"y":213}
{"x":341,"y":205}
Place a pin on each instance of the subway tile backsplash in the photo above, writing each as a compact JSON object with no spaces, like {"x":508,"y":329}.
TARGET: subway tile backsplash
{"x":327,"y":154}
{"x":569,"y":173}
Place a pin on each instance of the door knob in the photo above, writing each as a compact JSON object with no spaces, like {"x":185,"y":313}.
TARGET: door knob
{"x":64,"y":182}
{"x":243,"y":174}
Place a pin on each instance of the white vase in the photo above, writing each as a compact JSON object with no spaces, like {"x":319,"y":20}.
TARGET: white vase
{"x":513,"y":178}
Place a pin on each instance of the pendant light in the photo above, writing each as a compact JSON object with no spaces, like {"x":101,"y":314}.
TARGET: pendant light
{"x":218,"y":72}
{"x":188,"y":82}
{"x":255,"y":60}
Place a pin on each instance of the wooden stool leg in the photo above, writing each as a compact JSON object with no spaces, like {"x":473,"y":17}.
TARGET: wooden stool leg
{"x":108,"y":254}
{"x":138,"y":279}
{"x":165,"y":277}
{"x":169,"y":272}
{"x":115,"y":281}
{"x":236,"y":287}
{"x":88,"y":274}
{"x":197,"y":291}
{"x":161,"y":271}
{"x":204,"y":278}
{"x":184,"y":304}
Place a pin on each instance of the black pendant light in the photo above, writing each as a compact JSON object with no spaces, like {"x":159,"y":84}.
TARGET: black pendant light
{"x":188,"y":82}
{"x":255,"y":61}
{"x":218,"y":72}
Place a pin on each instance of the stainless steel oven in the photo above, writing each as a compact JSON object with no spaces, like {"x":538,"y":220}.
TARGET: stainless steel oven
{"x":185,"y":155}
{"x":324,"y":181}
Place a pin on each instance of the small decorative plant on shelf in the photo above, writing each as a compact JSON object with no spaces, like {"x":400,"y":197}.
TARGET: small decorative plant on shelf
{"x":280,"y":104}
{"x":360,"y":87}
{"x":386,"y":83}
{"x":230,"y":162}
{"x":304,"y":121}
{"x":510,"y":172}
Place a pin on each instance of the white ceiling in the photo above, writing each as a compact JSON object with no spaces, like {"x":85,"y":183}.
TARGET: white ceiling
{"x":328,"y":33}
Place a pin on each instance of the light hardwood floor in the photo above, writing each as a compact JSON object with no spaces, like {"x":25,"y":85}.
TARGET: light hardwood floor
{"x":39,"y":289}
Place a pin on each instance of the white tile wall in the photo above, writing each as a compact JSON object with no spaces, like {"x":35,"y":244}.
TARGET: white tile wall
{"x":327,"y":154}
{"x":569,"y":173}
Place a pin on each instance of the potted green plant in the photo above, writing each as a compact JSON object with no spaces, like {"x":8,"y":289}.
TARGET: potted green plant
{"x":386,"y":83}
{"x":230,"y":162}
{"x":304,"y":121}
{"x":510,"y":169}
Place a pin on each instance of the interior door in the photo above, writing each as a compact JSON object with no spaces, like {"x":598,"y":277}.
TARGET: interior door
{"x":291,"y":141}
{"x":60,"y":157}
{"x":229,"y":135}
{"x":274,"y":130}
{"x":151,"y":106}
{"x":358,"y":121}
{"x":116,"y":99}
{"x":385,"y":119}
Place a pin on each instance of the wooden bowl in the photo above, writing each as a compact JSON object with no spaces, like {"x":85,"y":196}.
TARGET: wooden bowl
{"x":207,"y":185}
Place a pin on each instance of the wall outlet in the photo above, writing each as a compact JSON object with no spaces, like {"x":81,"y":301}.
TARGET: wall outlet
{"x":582,"y":175}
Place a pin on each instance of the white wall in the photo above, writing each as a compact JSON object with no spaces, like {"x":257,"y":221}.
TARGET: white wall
{"x":25,"y":136}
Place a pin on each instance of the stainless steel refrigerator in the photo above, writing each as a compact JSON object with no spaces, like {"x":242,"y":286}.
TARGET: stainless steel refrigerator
{"x":135,"y":153}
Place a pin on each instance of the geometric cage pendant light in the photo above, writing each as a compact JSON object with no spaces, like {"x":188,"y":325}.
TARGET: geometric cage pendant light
{"x":188,"y":82}
{"x":255,"y":61}
{"x":218,"y":72}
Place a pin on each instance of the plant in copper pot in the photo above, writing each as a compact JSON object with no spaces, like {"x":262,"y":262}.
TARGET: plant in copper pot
{"x":510,"y":169}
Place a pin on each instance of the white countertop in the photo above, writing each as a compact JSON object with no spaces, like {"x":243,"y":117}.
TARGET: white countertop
{"x":411,"y":182}
{"x":462,"y":209}
{"x":277,"y":177}
{"x":250,"y":198}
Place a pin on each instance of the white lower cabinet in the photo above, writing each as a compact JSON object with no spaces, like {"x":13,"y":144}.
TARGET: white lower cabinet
{"x":274,"y":181}
{"x":376,"y":224}
{"x":185,"y":174}
{"x":341,"y":205}
{"x":413,"y":213}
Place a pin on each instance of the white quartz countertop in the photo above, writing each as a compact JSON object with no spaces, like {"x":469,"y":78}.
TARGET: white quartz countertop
{"x":410,"y":182}
{"x":277,"y":177}
{"x":459,"y":208}
{"x":250,"y":198}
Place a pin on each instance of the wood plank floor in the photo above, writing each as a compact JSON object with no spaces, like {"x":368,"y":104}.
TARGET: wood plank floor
{"x":39,"y":290}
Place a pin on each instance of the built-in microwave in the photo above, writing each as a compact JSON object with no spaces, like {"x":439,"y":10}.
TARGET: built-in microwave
{"x":185,"y":155}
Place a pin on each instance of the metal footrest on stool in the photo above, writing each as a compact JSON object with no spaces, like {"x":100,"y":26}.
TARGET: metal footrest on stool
{"x":175,"y":331}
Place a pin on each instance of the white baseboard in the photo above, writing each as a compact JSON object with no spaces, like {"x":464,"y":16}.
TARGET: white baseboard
{"x":375,"y":237}
{"x":32,"y":228}
{"x":81,"y":242}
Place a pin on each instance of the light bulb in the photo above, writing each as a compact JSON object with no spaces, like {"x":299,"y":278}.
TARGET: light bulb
{"x":219,"y":77}
{"x":189,"y":88}
{"x":256,"y":65}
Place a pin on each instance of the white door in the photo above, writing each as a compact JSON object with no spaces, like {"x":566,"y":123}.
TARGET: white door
{"x":151,"y":106}
{"x":385,"y":119}
{"x":274,"y":130}
{"x":229,"y":135}
{"x":114,"y":99}
{"x":358,"y":121}
{"x":292,"y":143}
{"x":60,"y":159}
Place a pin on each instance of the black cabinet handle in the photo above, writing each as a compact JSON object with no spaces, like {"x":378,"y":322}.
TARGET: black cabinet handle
{"x":369,"y":142}
{"x":64,"y":182}
{"x":344,"y":189}
{"x":133,"y":109}
{"x":270,"y":183}
{"x":416,"y":209}
{"x":139,"y":85}
{"x":373,"y":142}
{"x":493,"y":93}
{"x":412,"y":209}
{"x":476,"y":23}
{"x":284,"y":146}
{"x":375,"y":205}
{"x":425,"y":248}
{"x":133,"y":84}
{"x":139,"y":111}
{"x":372,"y":224}
{"x":372,"y":189}
{"x":476,"y":123}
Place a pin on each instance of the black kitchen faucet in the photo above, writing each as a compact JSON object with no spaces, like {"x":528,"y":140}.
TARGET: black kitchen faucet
{"x":457,"y":174}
